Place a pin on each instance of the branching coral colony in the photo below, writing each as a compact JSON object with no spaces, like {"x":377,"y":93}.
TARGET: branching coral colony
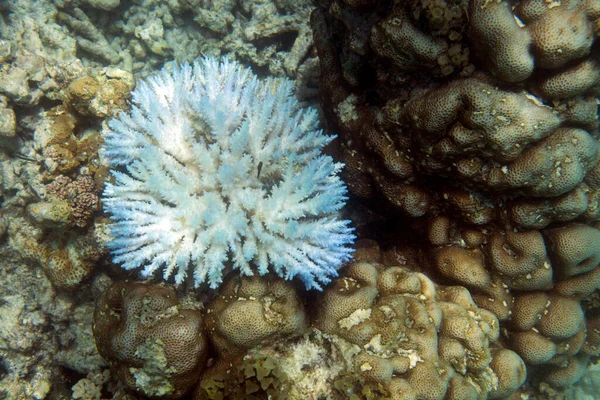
{"x":213,"y":166}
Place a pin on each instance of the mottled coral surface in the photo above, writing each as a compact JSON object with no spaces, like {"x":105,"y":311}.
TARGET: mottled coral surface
{"x":474,"y":125}
{"x":469,"y":130}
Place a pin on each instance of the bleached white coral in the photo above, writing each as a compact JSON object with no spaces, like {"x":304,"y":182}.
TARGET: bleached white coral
{"x":214,"y":167}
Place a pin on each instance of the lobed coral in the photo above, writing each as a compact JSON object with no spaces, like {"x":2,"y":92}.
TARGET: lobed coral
{"x":221,"y":167}
{"x":247,"y":313}
{"x":416,"y":339}
{"x":466,"y":129}
{"x":381,"y":330}
{"x":155,"y":344}
{"x":476,"y":125}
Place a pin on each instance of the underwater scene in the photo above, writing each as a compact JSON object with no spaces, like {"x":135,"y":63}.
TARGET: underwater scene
{"x":299,"y":199}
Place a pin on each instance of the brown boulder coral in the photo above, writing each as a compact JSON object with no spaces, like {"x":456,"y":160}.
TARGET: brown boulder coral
{"x":155,"y":344}
{"x":416,"y":340}
{"x":475,"y":125}
{"x":246,"y":313}
{"x":67,"y":260}
{"x":380,"y":331}
{"x":249,"y":310}
{"x":402,"y":124}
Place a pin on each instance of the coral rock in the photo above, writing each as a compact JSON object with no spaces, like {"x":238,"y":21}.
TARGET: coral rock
{"x":416,"y":339}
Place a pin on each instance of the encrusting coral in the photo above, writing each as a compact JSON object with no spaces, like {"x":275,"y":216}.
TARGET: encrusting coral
{"x":220,"y":166}
{"x":401,"y":125}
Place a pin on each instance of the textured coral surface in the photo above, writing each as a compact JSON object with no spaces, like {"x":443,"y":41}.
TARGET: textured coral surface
{"x":469,"y":130}
{"x":379,"y":331}
{"x":157,"y":345}
{"x":475,"y":126}
{"x":417,"y":340}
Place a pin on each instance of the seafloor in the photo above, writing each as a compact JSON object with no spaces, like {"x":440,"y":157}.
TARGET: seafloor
{"x":469,"y":134}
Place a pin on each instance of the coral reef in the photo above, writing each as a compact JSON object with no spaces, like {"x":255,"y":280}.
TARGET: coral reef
{"x":101,"y":96}
{"x":271,"y":36}
{"x":54,"y":93}
{"x":49,"y":245}
{"x":80,"y":196}
{"x":67,"y":260}
{"x":469,"y":130}
{"x":379,"y":331}
{"x":485,"y":140}
{"x":222,"y":167}
{"x":475,"y":124}
{"x":43,"y":334}
{"x":416,"y":339}
{"x":57,"y":181}
{"x":303,"y":367}
{"x":156,"y":344}
{"x":246,"y":313}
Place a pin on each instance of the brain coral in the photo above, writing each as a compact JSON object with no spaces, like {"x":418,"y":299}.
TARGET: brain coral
{"x":213,"y":165}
